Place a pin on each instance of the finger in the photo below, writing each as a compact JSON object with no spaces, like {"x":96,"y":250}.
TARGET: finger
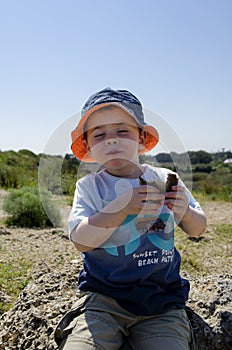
{"x":177,"y":188}
{"x":150,"y":195}
{"x":171,"y":195}
{"x":151,"y":210}
{"x":170,"y":206}
{"x":153,"y":197}
{"x":153,"y":200}
{"x":176,"y":195}
{"x":177,"y":202}
{"x":148,"y":189}
{"x":151,"y":203}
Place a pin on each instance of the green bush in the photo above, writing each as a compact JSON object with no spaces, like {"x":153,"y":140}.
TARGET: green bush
{"x":18,"y":169}
{"x":26,"y":209}
{"x":9,"y":176}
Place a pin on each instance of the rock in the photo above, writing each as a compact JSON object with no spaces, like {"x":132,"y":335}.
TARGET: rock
{"x":210,"y":311}
{"x":4,"y":298}
{"x":3,"y":231}
{"x":31,"y":322}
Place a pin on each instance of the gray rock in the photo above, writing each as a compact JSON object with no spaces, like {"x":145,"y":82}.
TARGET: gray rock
{"x":210,"y":312}
{"x":3,"y":231}
{"x":31,"y":322}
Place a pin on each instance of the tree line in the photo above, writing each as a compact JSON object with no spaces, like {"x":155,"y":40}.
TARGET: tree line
{"x":207,"y":171}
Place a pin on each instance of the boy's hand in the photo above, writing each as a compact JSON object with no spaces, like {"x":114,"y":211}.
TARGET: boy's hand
{"x":177,"y":201}
{"x":143,"y":199}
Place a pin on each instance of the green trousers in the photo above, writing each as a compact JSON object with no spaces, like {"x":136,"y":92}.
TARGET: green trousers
{"x":97,"y":322}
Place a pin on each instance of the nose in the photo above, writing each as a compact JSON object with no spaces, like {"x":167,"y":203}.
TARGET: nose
{"x":111,"y":141}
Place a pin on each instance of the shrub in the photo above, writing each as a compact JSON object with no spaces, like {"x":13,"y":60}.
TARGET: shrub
{"x":26,"y":209}
{"x":9,"y":176}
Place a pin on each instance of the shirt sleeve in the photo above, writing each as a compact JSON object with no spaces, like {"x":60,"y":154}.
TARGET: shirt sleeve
{"x":86,"y":202}
{"x":192,"y":202}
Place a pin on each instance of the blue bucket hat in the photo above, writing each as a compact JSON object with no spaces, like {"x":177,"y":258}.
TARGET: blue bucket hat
{"x":120,"y":98}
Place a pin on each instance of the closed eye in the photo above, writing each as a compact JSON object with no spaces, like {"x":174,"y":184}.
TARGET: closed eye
{"x":98,"y":136}
{"x":122,"y":131}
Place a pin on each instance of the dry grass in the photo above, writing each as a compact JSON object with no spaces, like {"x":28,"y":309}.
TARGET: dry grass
{"x":210,"y":255}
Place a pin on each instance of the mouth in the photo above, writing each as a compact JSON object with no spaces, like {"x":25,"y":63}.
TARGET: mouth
{"x":112,"y":153}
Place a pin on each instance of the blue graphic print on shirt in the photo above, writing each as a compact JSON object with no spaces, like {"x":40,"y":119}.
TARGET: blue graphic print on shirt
{"x":159,"y":232}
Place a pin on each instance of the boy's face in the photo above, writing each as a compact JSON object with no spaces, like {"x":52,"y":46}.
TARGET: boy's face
{"x":113,"y":138}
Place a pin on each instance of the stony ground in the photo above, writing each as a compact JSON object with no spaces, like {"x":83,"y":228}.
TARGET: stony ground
{"x":54,"y":266}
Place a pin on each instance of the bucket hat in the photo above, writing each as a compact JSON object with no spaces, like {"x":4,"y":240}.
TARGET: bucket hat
{"x":120,"y":98}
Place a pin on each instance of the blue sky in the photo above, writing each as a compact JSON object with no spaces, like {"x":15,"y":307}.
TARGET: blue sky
{"x":175,"y":55}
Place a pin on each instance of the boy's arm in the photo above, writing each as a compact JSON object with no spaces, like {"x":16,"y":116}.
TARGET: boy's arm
{"x":193,"y":222}
{"x":96,"y":229}
{"x":93,"y":231}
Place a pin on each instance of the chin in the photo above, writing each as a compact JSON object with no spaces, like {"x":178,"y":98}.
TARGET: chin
{"x":116,"y":163}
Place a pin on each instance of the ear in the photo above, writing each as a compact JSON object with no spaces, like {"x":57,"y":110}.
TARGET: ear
{"x":86,"y":146}
{"x":142,"y":138}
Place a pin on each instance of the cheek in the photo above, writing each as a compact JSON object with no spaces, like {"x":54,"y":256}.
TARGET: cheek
{"x":131,"y":144}
{"x":95,"y":148}
{"x":93,"y":142}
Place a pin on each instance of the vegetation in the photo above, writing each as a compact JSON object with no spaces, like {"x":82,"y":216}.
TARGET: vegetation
{"x":25,"y":173}
{"x":26,"y":210}
{"x":205,"y":256}
{"x":18,"y":169}
{"x":208,"y":172}
{"x":208,"y":175}
{"x":13,"y":278}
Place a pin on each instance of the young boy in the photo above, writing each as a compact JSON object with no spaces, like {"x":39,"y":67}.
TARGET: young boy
{"x":134,"y":294}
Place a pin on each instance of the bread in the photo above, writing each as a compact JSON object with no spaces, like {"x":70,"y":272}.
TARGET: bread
{"x":172,"y":180}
